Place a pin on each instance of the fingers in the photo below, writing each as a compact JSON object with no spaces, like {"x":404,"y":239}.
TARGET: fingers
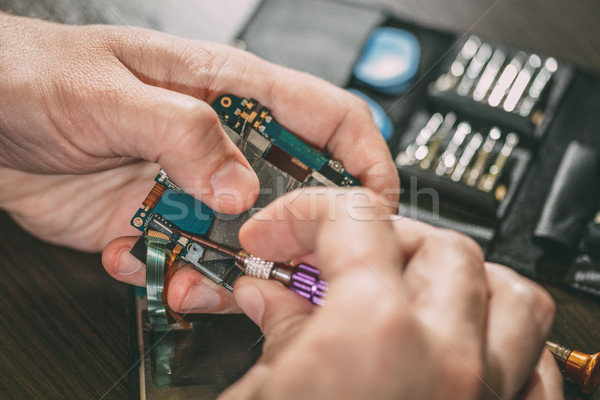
{"x":333,"y":222}
{"x":520,"y":317}
{"x":446,"y":288}
{"x":261,"y":301}
{"x":121,"y":264}
{"x":192,"y":292}
{"x":188,"y":292}
{"x":344,"y":229}
{"x":332,"y":225}
{"x":322,"y":114}
{"x":362,"y":329}
{"x":184,"y":135}
{"x":546,"y":382}
{"x":443,"y":268}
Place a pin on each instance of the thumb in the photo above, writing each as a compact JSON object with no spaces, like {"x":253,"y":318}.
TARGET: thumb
{"x":274,"y":308}
{"x":184,"y":135}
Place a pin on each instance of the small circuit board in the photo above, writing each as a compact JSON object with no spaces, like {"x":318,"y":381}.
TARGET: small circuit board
{"x":282,"y":163}
{"x":253,"y":124}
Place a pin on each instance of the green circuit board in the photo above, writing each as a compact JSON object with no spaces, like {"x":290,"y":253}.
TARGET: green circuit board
{"x":282,"y":163}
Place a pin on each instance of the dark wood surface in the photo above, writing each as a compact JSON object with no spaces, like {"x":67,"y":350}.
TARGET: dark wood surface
{"x":63,"y":331}
{"x":62,"y":322}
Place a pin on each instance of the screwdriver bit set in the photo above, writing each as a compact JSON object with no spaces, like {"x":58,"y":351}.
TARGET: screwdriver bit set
{"x":520,"y":89}
{"x":475,"y":165}
{"x":484,"y":116}
{"x":468,"y":125}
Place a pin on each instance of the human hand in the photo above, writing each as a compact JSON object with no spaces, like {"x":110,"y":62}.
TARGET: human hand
{"x":93,"y":99}
{"x":412,"y":311}
{"x":80,"y":99}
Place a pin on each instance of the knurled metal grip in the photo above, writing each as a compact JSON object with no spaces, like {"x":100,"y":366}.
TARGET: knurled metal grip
{"x":258,"y":267}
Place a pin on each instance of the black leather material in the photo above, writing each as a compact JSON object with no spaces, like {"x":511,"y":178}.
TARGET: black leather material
{"x":577,"y":118}
{"x":584,"y":274}
{"x":319,"y":37}
{"x":572,"y":198}
{"x":591,"y":239}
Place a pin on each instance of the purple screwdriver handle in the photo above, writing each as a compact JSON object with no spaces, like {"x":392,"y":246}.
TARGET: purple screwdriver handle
{"x":301,"y":279}
{"x":305,"y":282}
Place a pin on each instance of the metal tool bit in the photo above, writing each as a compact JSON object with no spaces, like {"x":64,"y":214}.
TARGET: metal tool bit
{"x":518,"y":88}
{"x":448,"y":158}
{"x":408,"y":156}
{"x":302,"y":279}
{"x":538,"y":85}
{"x":506,"y":79}
{"x":488,"y":182}
{"x":581,"y":368}
{"x":484,"y":152}
{"x":457,"y":69}
{"x":489,"y":75}
{"x":474,"y":69}
{"x":430,"y":152}
{"x":466,"y":157}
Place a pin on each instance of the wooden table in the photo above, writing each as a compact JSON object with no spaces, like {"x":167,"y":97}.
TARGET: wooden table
{"x":63,"y":322}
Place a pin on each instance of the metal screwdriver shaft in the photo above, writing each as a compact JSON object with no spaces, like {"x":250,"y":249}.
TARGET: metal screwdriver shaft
{"x":302,"y":279}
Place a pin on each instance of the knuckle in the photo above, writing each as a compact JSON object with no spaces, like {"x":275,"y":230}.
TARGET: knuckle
{"x":206,"y":64}
{"x":524,"y":293}
{"x":206,"y":118}
{"x":543,"y":302}
{"x":533,"y":299}
{"x":119,"y":40}
{"x":549,"y":308}
{"x":460,"y":242}
{"x":474,"y":248}
{"x":540,"y":303}
{"x":194,"y":134}
{"x":192,"y":119}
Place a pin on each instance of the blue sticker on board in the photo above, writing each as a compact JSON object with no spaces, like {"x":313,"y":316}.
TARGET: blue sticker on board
{"x":389,"y":62}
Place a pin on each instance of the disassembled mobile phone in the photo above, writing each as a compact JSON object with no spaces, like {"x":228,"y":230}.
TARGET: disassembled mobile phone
{"x":282,"y":163}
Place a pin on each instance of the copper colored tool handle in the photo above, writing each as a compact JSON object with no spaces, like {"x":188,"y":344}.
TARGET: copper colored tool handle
{"x":581,"y":368}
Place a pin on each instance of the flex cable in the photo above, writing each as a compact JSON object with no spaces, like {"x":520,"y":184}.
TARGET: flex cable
{"x":155,"y":273}
{"x":172,"y":267}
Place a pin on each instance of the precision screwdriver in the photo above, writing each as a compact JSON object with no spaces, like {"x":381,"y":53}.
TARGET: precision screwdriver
{"x":581,"y":368}
{"x":302,"y":278}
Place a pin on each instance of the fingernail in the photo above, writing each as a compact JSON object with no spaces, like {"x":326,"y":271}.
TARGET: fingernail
{"x":201,"y":298}
{"x":234,"y":184}
{"x":127,"y":264}
{"x":251,"y":301}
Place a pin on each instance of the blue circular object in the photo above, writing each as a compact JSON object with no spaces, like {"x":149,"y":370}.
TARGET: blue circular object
{"x":383,"y":122}
{"x":389,"y":62}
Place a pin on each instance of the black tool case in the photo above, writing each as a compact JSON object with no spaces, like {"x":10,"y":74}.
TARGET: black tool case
{"x":326,"y":39}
